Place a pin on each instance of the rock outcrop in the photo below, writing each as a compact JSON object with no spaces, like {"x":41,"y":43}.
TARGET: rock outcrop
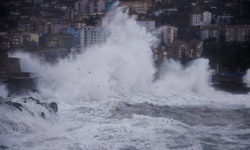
{"x":51,"y":107}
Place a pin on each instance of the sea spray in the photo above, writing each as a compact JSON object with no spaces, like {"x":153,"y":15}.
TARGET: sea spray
{"x":195,"y":77}
{"x":122,"y":64}
{"x":3,"y":90}
{"x":246,"y":78}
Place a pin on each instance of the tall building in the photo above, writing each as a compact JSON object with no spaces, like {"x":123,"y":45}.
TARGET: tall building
{"x":65,"y":40}
{"x":76,"y":35}
{"x":237,"y":33}
{"x":210,"y":31}
{"x":200,"y":18}
{"x":138,"y":6}
{"x":194,"y":49}
{"x":90,"y":6}
{"x":177,"y":49}
{"x":70,"y":14}
{"x":169,"y":34}
{"x":93,"y":36}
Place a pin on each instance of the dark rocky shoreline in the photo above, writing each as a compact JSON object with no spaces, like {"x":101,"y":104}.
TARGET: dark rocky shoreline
{"x":51,"y":107}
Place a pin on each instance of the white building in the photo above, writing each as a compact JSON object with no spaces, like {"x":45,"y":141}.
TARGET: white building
{"x":147,"y":23}
{"x":93,"y":36}
{"x":90,"y":6}
{"x":169,"y":34}
{"x":200,"y":18}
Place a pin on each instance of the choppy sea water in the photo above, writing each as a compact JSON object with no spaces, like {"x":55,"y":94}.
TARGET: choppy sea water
{"x":133,"y":121}
{"x":108,"y":99}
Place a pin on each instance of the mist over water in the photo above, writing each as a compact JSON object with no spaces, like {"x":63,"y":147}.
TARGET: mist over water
{"x":109,"y":99}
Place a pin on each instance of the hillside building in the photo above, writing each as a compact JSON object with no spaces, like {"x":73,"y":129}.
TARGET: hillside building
{"x":211,"y":31}
{"x":237,"y":33}
{"x":200,"y":18}
{"x":93,"y":36}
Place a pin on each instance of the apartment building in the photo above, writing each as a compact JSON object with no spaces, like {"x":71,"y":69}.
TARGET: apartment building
{"x":200,"y":18}
{"x":93,"y":36}
{"x":90,"y":6}
{"x":138,"y":6}
{"x":194,"y":49}
{"x":54,"y":27}
{"x":63,"y":40}
{"x":177,"y":49}
{"x":15,"y":40}
{"x":4,"y":44}
{"x":169,"y":34}
{"x":70,"y":14}
{"x":26,"y":25}
{"x":76,"y":35}
{"x":237,"y":33}
{"x":211,"y":31}
{"x":160,"y":54}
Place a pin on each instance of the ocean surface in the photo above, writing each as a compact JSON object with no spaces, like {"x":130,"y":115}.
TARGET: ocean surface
{"x":108,"y":100}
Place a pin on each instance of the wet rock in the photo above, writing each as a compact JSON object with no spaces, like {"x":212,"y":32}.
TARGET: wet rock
{"x":1,"y":100}
{"x":53,"y":106}
{"x":42,"y":115}
{"x":3,"y":147}
{"x":14,"y":104}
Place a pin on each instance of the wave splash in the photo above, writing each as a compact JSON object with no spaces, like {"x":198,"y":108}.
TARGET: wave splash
{"x":246,"y":78}
{"x":120,"y":65}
